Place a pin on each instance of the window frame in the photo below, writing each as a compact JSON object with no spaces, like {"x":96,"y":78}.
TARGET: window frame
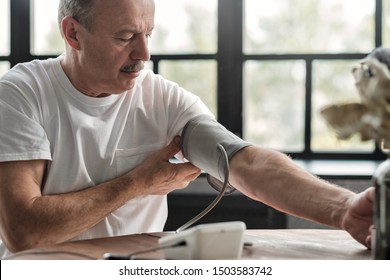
{"x":230,"y":60}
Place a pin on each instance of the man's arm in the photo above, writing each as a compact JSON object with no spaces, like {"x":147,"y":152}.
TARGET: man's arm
{"x":29,"y":219}
{"x":274,"y":179}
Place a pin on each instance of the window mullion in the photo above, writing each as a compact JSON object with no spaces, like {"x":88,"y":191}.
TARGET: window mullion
{"x":20,"y":31}
{"x":308,"y":106}
{"x":378,"y":22}
{"x":230,"y":69}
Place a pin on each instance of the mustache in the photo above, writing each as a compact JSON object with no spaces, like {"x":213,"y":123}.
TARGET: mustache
{"x":138,"y":66}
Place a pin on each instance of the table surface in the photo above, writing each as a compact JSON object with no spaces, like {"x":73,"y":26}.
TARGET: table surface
{"x":275,"y":244}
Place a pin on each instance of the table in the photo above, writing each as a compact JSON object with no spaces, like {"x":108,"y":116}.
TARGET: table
{"x":274,"y":244}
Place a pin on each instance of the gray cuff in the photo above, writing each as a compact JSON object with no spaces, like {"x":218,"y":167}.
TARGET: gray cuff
{"x":199,"y":144}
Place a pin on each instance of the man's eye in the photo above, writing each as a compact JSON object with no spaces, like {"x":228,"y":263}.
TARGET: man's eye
{"x":126,"y":38}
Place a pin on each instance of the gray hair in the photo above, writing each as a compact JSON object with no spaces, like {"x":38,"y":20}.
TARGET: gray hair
{"x":80,"y":10}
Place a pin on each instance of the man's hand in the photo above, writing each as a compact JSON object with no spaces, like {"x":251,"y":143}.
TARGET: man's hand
{"x":156,"y":175}
{"x":358,"y":219}
{"x":29,"y":219}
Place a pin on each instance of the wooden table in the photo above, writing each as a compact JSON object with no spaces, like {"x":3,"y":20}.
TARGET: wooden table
{"x":264,"y":244}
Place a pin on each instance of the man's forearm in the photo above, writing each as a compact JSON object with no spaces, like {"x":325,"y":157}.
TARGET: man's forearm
{"x":275,"y":180}
{"x":30,"y":219}
{"x":53,"y":219}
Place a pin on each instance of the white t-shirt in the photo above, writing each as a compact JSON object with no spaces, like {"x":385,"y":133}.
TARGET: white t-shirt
{"x":91,"y":140}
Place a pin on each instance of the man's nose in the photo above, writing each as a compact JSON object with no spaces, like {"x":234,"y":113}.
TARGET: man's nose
{"x":141,"y":49}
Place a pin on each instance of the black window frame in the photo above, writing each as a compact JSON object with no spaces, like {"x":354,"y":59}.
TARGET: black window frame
{"x":230,"y":59}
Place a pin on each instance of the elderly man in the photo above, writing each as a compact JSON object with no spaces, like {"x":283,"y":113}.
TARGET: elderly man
{"x":86,"y":138}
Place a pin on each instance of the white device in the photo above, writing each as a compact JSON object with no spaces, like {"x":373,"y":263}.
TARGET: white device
{"x":205,"y":242}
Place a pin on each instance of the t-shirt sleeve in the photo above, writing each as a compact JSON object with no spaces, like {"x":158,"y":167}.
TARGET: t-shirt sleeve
{"x":22,"y":136}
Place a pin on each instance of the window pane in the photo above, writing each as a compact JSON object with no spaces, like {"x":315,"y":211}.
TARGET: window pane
{"x":185,"y":26}
{"x":4,"y":27}
{"x":46,"y":36}
{"x":386,"y":23}
{"x":287,"y":26}
{"x":333,"y":83}
{"x":196,"y":76}
{"x":4,"y":67}
{"x":148,"y":65}
{"x":274,"y":104}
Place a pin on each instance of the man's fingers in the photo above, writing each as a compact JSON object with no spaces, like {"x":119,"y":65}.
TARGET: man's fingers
{"x":180,"y":175}
{"x":370,"y":194}
{"x":188,"y":170}
{"x":193,"y":171}
{"x":172,"y":149}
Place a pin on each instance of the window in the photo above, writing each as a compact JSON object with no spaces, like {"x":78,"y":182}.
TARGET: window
{"x":274,"y":97}
{"x":185,"y":27}
{"x":5,"y":35}
{"x":386,"y":23}
{"x":198,"y":76}
{"x":265,"y":68}
{"x":46,"y":37}
{"x":184,"y":44}
{"x":298,"y":58}
{"x":322,"y":26}
{"x":4,"y":28}
{"x":4,"y":67}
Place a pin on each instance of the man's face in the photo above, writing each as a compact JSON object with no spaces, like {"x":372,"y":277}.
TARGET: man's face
{"x":113,"y":52}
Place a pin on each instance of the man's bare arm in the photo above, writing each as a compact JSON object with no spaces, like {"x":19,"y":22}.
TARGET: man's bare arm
{"x":274,"y":179}
{"x":29,"y":219}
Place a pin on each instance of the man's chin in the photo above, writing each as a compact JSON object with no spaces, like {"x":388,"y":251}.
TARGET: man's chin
{"x":130,"y":85}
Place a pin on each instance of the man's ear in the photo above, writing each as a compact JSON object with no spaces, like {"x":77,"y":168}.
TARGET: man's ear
{"x":70,"y":28}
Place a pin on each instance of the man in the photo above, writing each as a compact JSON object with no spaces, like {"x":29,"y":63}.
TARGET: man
{"x":86,"y":138}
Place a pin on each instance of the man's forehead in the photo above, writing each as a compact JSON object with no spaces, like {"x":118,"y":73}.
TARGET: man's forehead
{"x":138,"y":6}
{"x":136,"y":13}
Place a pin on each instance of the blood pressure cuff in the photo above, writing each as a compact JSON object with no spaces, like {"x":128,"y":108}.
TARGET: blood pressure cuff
{"x":199,"y":145}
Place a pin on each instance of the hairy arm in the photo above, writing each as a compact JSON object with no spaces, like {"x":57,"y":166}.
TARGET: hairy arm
{"x":29,"y":219}
{"x":274,"y":179}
